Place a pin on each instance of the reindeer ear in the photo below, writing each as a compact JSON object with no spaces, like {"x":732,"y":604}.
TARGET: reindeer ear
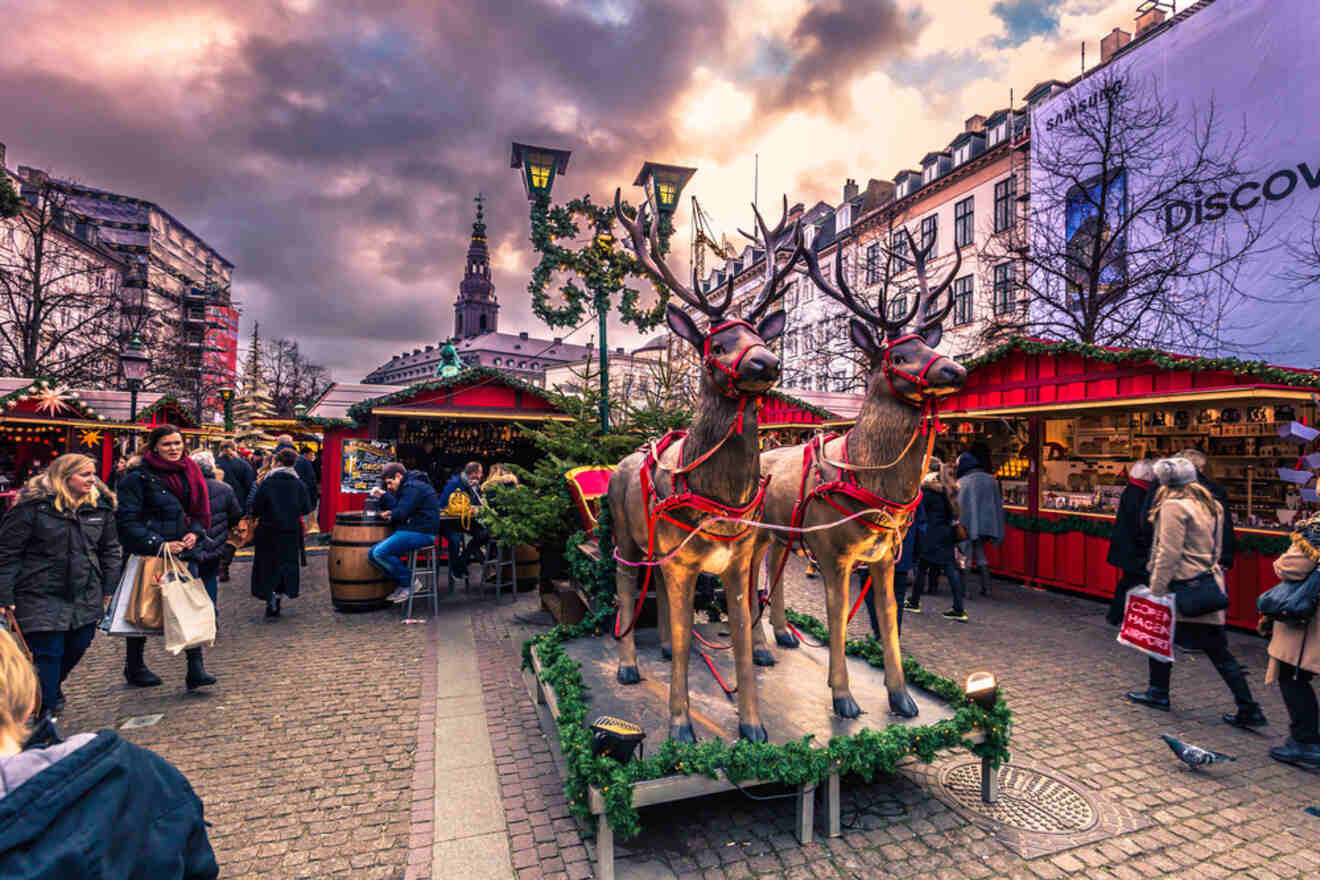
{"x":684,"y":326}
{"x":933,"y":335}
{"x":863,"y":337}
{"x":771,"y":326}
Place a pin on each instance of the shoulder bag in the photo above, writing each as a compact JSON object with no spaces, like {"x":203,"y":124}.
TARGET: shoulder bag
{"x":10,"y":623}
{"x":1292,"y":601}
{"x":1201,"y":594}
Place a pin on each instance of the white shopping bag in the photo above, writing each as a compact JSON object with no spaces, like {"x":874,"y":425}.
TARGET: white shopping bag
{"x":115,"y":622}
{"x":189,"y":614}
{"x":1148,"y":623}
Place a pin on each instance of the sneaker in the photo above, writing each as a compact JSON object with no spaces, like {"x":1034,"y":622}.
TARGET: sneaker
{"x":398,"y":596}
{"x":960,"y":616}
{"x":912,"y":607}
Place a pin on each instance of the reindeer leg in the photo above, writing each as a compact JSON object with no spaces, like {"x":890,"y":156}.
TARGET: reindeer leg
{"x":761,"y":654}
{"x":662,"y":615}
{"x":778,"y":619}
{"x":737,"y":589}
{"x":625,"y":580}
{"x":679,"y":588}
{"x":835,"y":572}
{"x":900,"y":701}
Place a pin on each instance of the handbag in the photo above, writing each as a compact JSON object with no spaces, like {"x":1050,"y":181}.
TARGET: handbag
{"x":243,"y":532}
{"x":1201,"y":594}
{"x":189,"y":615}
{"x":1292,"y":601}
{"x":144,"y":608}
{"x":9,"y":623}
{"x":960,"y":533}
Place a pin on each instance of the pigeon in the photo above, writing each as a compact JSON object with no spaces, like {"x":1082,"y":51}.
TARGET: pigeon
{"x":1194,"y":756}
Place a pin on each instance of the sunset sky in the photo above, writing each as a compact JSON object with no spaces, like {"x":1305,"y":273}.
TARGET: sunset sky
{"x":331,"y":149}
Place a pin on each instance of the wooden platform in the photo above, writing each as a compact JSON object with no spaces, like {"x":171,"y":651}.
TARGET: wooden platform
{"x":795,"y":701}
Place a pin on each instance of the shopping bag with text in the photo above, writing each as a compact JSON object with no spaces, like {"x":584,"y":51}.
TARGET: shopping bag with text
{"x":1148,"y":623}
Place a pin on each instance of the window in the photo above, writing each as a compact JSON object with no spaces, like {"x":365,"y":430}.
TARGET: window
{"x":962,"y":301}
{"x":930,"y":234}
{"x":873,"y":263}
{"x":897,"y":305}
{"x":962,"y":154}
{"x":899,"y":245}
{"x":997,"y":134}
{"x":1005,"y":193}
{"x":928,"y":173}
{"x":1005,"y":288}
{"x":963,"y":225}
{"x":791,"y":295}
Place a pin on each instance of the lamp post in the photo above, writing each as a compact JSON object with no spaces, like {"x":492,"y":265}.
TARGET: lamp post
{"x":134,"y":362}
{"x":599,"y":264}
{"x":227,"y":397}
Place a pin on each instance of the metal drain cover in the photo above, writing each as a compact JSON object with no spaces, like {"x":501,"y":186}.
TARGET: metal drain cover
{"x":1028,"y":800}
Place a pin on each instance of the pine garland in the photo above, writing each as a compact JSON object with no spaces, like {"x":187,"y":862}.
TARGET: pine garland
{"x":1269,"y":545}
{"x":1260,"y":370}
{"x":361,"y":411}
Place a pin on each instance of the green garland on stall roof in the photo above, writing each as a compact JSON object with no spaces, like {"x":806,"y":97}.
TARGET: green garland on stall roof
{"x":601,"y":266}
{"x":795,"y":763}
{"x":1257,"y":369}
{"x":1269,"y":545}
{"x":818,"y":411}
{"x":361,"y":411}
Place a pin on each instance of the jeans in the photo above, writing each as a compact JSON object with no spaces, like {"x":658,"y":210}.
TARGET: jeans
{"x":1299,"y":697}
{"x":55,"y":654}
{"x":900,"y":593}
{"x":929,"y":573}
{"x":385,"y":554}
{"x":1210,"y":638}
{"x":457,"y":552}
{"x":209,"y":572}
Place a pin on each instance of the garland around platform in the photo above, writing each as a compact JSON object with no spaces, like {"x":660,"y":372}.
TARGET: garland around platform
{"x":1269,"y":545}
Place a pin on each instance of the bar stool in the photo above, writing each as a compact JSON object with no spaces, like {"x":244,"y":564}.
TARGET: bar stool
{"x":422,"y":572}
{"x":502,"y":566}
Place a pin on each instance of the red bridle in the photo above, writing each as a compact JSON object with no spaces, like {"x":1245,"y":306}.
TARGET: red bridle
{"x":923,"y":401}
{"x":711,"y":364}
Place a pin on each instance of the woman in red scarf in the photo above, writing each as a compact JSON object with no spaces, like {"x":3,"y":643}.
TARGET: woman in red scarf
{"x":163,"y":500}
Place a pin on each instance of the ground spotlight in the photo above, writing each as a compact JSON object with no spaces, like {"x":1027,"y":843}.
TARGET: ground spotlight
{"x":982,"y":689}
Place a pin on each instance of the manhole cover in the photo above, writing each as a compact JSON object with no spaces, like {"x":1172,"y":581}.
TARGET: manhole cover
{"x":1028,"y":800}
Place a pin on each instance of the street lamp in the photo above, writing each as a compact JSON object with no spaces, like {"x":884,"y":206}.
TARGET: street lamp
{"x":539,"y":165}
{"x":134,"y":362}
{"x":664,"y":184}
{"x":227,"y":397}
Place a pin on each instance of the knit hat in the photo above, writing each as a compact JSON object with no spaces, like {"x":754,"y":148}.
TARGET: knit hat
{"x":1175,"y":472}
{"x":1141,"y":469}
{"x":967,"y":463}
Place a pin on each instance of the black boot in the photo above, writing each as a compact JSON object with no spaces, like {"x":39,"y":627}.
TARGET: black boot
{"x":273,"y":606}
{"x":1152,"y":697}
{"x":197,"y":674}
{"x":984,"y":572}
{"x":1248,"y":714}
{"x":1298,"y":754}
{"x":136,"y":672}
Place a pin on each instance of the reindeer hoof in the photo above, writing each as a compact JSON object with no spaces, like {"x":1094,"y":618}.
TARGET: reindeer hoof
{"x":846,"y":707}
{"x":763,"y":657}
{"x":628,"y":675}
{"x":682,"y":733}
{"x":752,"y":732}
{"x":666,"y":653}
{"x":901,"y":703}
{"x":786,"y":640}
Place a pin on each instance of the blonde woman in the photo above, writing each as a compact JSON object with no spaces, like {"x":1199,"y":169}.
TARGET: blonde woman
{"x":92,"y":806}
{"x":1189,"y":527}
{"x":59,"y":563}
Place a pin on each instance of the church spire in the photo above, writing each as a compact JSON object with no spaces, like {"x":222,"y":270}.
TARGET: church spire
{"x":476,"y":311}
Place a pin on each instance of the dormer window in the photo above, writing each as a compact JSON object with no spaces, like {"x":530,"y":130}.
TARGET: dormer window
{"x":929,"y":173}
{"x":962,"y":154}
{"x":997,"y":134}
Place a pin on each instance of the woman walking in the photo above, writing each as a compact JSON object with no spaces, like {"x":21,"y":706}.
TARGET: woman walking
{"x":936,"y":546}
{"x":214,"y":551}
{"x":163,"y":501}
{"x":59,"y":563}
{"x":982,"y":510}
{"x":1189,"y":528}
{"x":1295,"y":654}
{"x":280,"y":503}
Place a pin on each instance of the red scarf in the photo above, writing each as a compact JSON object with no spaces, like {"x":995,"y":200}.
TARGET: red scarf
{"x":199,"y":502}
{"x":1145,"y":484}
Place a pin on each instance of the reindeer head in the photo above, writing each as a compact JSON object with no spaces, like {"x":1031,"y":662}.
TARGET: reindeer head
{"x":913,"y":370}
{"x":734,"y":352}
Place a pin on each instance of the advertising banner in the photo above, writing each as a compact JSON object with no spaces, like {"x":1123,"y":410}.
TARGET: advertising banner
{"x":363,"y":462}
{"x":1246,"y":63}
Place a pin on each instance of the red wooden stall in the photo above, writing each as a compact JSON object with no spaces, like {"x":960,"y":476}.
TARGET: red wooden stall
{"x":1028,"y":381}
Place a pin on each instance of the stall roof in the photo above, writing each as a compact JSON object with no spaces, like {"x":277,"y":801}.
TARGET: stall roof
{"x":472,"y":394}
{"x":113,"y":405}
{"x":340,"y":396}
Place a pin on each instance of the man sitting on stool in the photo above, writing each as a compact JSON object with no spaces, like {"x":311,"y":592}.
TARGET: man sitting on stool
{"x":412,"y":506}
{"x":468,"y":482}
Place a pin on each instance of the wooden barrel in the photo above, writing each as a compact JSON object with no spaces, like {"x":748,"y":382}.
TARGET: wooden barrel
{"x":356,"y":584}
{"x":527,"y":569}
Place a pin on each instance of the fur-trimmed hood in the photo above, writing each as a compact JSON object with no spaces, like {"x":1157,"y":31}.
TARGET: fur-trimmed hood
{"x":39,"y":487}
{"x":1306,"y":537}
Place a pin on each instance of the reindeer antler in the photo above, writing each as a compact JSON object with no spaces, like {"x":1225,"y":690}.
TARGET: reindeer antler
{"x":647,"y":254}
{"x":850,"y":300}
{"x":774,"y":276}
{"x":929,"y":298}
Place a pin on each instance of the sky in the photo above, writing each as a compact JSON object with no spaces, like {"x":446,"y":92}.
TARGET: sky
{"x":331,"y":149}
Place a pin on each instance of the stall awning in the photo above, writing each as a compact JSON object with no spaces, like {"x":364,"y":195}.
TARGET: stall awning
{"x":471,"y":415}
{"x":1218,"y":395}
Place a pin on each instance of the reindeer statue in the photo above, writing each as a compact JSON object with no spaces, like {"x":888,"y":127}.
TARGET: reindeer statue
{"x":662,"y":495}
{"x":878,"y":464}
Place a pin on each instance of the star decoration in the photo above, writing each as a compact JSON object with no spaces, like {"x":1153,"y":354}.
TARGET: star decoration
{"x":52,"y":400}
{"x":91,"y":438}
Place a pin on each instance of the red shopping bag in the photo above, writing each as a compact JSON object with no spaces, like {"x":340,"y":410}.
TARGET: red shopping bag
{"x":1148,"y":622}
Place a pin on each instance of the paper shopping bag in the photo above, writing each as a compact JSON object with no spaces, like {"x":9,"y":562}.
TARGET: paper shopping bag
{"x":186,"y":607}
{"x":1148,"y":624}
{"x":144,"y":609}
{"x":116,"y":621}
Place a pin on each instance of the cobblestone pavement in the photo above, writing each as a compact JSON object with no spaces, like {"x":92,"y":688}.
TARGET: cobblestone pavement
{"x":1063,"y":675}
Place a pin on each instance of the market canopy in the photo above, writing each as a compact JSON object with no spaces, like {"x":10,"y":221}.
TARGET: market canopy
{"x":46,"y":401}
{"x":476,"y":394}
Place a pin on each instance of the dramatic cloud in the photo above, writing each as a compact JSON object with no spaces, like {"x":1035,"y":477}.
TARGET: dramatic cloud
{"x":1025,"y":19}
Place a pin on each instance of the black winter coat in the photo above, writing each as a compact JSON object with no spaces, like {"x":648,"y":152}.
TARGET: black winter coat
{"x":57,"y":567}
{"x":238,"y":474}
{"x":280,"y":503}
{"x":1129,"y":548}
{"x":306,"y":472}
{"x":101,"y":808}
{"x":936,"y":545}
{"x":149,"y":514}
{"x":225,"y":514}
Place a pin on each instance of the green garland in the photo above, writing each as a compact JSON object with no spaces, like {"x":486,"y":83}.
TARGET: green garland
{"x":796,"y":763}
{"x":818,"y":411}
{"x":1257,"y":369}
{"x":1269,"y":545}
{"x":600,"y":265}
{"x":361,"y":411}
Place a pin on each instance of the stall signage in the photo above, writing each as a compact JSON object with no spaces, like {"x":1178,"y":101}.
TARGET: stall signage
{"x":1148,"y":624}
{"x":363,"y":462}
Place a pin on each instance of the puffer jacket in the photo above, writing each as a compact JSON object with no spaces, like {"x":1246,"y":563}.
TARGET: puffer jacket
{"x":936,"y":544}
{"x":416,"y":509}
{"x":1297,"y":644}
{"x":225,"y":514}
{"x":57,"y":567}
{"x":149,"y":514}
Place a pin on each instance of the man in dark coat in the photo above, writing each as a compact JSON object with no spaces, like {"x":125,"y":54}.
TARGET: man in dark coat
{"x":305,"y":470}
{"x":238,"y":474}
{"x":214,"y":550}
{"x":467,"y":481}
{"x":904,"y":566}
{"x":1129,"y":548}
{"x":411,"y":506}
{"x":280,"y":503}
{"x":936,"y":548}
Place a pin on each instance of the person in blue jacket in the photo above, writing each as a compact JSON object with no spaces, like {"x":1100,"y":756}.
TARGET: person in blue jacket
{"x":93,"y":806}
{"x":467,"y":481}
{"x":903,"y":568}
{"x":411,"y":505}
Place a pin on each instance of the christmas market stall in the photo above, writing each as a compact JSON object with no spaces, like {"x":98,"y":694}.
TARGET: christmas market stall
{"x":786,"y":420}
{"x":1064,"y":421}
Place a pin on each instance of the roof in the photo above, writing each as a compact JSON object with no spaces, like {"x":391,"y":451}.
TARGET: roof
{"x":112,"y":406}
{"x":334,"y":404}
{"x":934,"y":155}
{"x":831,"y":404}
{"x":471,"y":376}
{"x":1043,"y":87}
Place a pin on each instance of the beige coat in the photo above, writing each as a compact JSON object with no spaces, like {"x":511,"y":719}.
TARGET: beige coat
{"x":1293,"y":644}
{"x":1187,"y":543}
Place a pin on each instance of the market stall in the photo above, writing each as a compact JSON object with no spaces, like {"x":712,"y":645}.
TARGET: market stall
{"x":785,"y":420}
{"x":1063,"y":422}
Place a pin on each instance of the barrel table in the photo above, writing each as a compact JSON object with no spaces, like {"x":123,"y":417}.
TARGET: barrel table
{"x":356,"y":584}
{"x":528,"y":568}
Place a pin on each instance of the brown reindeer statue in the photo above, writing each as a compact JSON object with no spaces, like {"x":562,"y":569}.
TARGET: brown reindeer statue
{"x":878,"y":464}
{"x":663,"y":495}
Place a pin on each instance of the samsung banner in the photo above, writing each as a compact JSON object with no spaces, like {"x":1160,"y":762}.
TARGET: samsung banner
{"x":1256,"y":63}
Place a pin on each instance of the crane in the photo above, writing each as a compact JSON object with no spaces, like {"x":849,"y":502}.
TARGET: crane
{"x":703,"y":238}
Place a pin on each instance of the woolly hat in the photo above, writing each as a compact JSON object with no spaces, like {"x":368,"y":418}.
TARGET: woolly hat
{"x":1175,"y":472}
{"x":967,"y":463}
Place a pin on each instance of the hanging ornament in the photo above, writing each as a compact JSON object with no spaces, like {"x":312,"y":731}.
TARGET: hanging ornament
{"x":52,"y":400}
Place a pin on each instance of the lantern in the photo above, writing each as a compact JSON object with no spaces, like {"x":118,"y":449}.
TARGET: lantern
{"x":539,"y":166}
{"x":664,"y":184}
